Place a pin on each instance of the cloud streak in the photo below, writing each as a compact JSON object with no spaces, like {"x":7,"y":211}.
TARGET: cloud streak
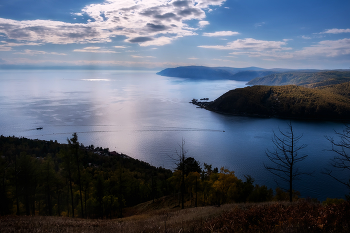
{"x":321,"y":50}
{"x":336,"y":31}
{"x":249,"y":44}
{"x":94,"y":50}
{"x":37,"y":52}
{"x":203,"y":23}
{"x":221,"y":33}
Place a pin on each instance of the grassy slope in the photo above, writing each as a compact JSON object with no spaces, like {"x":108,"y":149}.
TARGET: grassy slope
{"x":329,"y":102}
{"x":264,"y":217}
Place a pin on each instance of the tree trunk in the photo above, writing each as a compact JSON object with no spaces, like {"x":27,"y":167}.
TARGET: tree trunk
{"x":16,"y":185}
{"x":196,"y":203}
{"x":71,"y":191}
{"x":81,"y":196}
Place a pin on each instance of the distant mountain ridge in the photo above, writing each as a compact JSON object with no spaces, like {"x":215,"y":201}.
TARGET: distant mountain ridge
{"x":253,"y":75}
{"x":216,"y":73}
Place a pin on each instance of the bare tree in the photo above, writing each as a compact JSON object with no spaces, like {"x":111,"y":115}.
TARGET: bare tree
{"x":285,"y":156}
{"x":341,"y":161}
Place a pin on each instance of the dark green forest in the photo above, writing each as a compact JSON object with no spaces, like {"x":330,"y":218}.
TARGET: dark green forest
{"x":52,"y":179}
{"x":48,"y":178}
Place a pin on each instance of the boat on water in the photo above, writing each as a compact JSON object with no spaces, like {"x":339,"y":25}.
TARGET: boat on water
{"x":39,"y":128}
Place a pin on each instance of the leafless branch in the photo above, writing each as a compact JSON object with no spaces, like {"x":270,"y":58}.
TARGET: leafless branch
{"x":285,"y":156}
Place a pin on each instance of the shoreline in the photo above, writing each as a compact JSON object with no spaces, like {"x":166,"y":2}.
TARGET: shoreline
{"x":206,"y":106}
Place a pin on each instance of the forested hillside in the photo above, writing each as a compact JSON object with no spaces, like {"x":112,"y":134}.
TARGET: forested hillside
{"x":302,"y":78}
{"x":48,"y":178}
{"x":329,"y":102}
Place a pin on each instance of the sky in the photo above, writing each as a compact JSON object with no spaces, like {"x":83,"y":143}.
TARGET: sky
{"x":156,"y":34}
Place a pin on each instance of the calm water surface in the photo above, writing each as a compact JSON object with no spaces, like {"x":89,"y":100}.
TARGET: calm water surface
{"x":146,"y":116}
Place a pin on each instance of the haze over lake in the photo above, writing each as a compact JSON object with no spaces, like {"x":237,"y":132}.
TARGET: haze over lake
{"x":146,"y":116}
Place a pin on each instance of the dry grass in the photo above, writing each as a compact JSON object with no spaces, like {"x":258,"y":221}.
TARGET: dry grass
{"x":186,"y":220}
{"x":263,"y":217}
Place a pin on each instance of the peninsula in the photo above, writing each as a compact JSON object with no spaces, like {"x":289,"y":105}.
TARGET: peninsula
{"x":304,"y":95}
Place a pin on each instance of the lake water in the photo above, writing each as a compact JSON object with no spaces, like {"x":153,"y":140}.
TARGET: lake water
{"x":146,"y":116}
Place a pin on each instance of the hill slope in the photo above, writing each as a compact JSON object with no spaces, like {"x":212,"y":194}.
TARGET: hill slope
{"x":290,"y":101}
{"x":308,"y":79}
{"x":270,"y":217}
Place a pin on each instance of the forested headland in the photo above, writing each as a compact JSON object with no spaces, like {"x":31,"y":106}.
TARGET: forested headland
{"x":324,"y":96}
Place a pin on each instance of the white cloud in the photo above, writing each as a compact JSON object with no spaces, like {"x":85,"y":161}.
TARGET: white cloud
{"x":137,"y":56}
{"x":54,"y":53}
{"x":160,"y":21}
{"x":259,"y":24}
{"x":5,"y":46}
{"x":336,"y":31}
{"x":77,"y":14}
{"x":119,"y":47}
{"x":221,"y":33}
{"x":37,"y":52}
{"x":192,"y":58}
{"x":163,"y":40}
{"x":306,"y":37}
{"x":55,"y":32}
{"x":326,"y":48}
{"x":19,"y":44}
{"x":264,"y":54}
{"x":203,"y":23}
{"x":222,"y":60}
{"x":93,"y":50}
{"x":323,"y":49}
{"x":250,"y":44}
